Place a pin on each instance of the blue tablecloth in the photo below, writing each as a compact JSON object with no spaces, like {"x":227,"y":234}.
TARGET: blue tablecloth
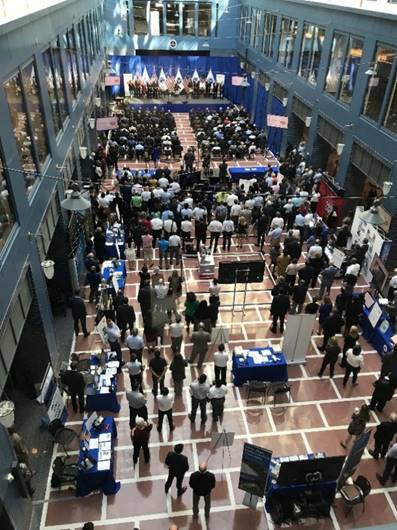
{"x":107,"y":272}
{"x":237,"y":173}
{"x":102,"y":402}
{"x":92,"y":479}
{"x":274,"y":371}
{"x":380,"y":340}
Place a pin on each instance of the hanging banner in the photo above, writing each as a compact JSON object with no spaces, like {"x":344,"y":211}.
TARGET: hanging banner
{"x":112,"y":80}
{"x":237,"y":80}
{"x":254,"y":469}
{"x":105,"y":124}
{"x":329,"y":199}
{"x":281,"y":122}
{"x":220,"y":79}
{"x":126,"y":79}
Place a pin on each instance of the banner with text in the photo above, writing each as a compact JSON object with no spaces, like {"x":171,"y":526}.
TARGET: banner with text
{"x":112,"y":80}
{"x":105,"y":124}
{"x":281,"y":122}
{"x":237,"y":80}
{"x":254,"y":469}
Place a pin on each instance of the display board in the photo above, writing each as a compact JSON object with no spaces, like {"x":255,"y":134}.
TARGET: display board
{"x":310,"y":470}
{"x":254,"y":469}
{"x":354,"y":457}
{"x":297,"y":337}
{"x":379,"y":273}
{"x":240,"y":271}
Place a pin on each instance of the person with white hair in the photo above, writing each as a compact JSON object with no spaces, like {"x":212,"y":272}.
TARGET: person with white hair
{"x":140,"y":435}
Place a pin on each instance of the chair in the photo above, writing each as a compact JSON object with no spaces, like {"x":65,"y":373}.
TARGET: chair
{"x":62,"y":435}
{"x":257,"y":387}
{"x":355,"y":493}
{"x":63,"y":473}
{"x":278,"y":388}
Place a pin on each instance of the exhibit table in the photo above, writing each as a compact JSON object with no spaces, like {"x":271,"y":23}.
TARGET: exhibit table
{"x":309,"y":494}
{"x":102,"y":392}
{"x":115,"y":242}
{"x":236,"y":173}
{"x":117,"y":270}
{"x":376,"y":326}
{"x":97,"y":447}
{"x":259,"y":364}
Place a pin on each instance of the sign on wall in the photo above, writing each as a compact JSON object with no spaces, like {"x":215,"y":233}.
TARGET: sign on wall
{"x":112,"y":80}
{"x":105,"y":124}
{"x":281,"y":122}
{"x":237,"y":80}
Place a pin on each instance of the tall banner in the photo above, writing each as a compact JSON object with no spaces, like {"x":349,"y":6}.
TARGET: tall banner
{"x":126,"y":79}
{"x":210,"y":77}
{"x":281,"y":122}
{"x":254,"y":470}
{"x":195,"y":76}
{"x":354,"y":457}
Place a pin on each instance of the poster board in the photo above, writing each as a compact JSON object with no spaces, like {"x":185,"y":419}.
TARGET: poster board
{"x":338,"y":257}
{"x":220,"y":79}
{"x":107,"y":124}
{"x":112,"y":80}
{"x":99,"y":329}
{"x":273,"y":120}
{"x":297,"y":337}
{"x":354,"y":457}
{"x":237,"y":80}
{"x":254,"y":469}
{"x":375,"y":314}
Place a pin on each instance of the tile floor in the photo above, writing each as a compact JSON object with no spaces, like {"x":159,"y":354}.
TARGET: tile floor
{"x":314,"y":420}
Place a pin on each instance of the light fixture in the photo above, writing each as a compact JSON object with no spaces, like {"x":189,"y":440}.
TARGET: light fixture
{"x":75,"y":202}
{"x":285,"y":102}
{"x":372,"y":216}
{"x":91,"y":122}
{"x":83,"y":152}
{"x":267,"y":87}
{"x":48,"y":267}
{"x":387,"y":186}
{"x":308,"y":121}
{"x":98,"y":102}
{"x":371,"y":70}
{"x":103,"y":85}
{"x":339,"y":148}
{"x":244,"y":83}
{"x":242,"y":65}
{"x":206,"y":44}
{"x":253,"y":75}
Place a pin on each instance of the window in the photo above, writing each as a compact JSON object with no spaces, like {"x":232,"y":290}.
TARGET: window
{"x":335,"y":66}
{"x":156,"y":18}
{"x":204,"y":19}
{"x":269,"y":31}
{"x":189,"y":19}
{"x":312,"y":45}
{"x":140,"y":21}
{"x":59,"y":79}
{"x":7,"y":218}
{"x":258,"y":29}
{"x":289,"y":29}
{"x":244,"y":24}
{"x":255,"y":18}
{"x":90,"y":45}
{"x":83,"y":51}
{"x":279,"y":91}
{"x":350,"y":70}
{"x":172,"y":14}
{"x":378,"y":76}
{"x":32,"y":92}
{"x":19,"y":118}
{"x":73,"y":59}
{"x":52,"y":90}
{"x":390,"y":121}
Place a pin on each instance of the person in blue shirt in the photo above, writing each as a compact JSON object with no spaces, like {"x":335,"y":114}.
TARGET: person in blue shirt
{"x":163,"y":246}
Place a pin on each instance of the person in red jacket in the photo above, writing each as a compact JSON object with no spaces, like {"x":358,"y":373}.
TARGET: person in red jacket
{"x":140,"y":435}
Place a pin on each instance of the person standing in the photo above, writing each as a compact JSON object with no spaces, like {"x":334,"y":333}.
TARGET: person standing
{"x":350,"y":340}
{"x":332,"y":351}
{"x":165,"y":402}
{"x":75,"y":383}
{"x":174,"y":244}
{"x":178,"y":371}
{"x":390,"y":466}
{"x":163,"y":251}
{"x":327,"y":279}
{"x":299,"y":296}
{"x":177,"y":466}
{"x":331,"y":326}
{"x":216,"y":395}
{"x":227,"y":232}
{"x":94,"y":281}
{"x":199,"y":391}
{"x":158,"y":367}
{"x":176,"y":334}
{"x":215,"y":229}
{"x":125,"y":316}
{"x":112,"y":334}
{"x":191,"y":305}
{"x":278,"y":309}
{"x":79,"y":313}
{"x":389,"y":363}
{"x":202,"y":483}
{"x":147,"y":249}
{"x":200,"y":340}
{"x":221,"y":358}
{"x":383,"y":392}
{"x":135,"y":344}
{"x":140,"y":435}
{"x":359,"y":420}
{"x":137,"y":404}
{"x":135,"y":369}
{"x":384,"y":434}
{"x":354,"y":363}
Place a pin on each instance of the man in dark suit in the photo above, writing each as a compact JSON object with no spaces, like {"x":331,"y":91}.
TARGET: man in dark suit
{"x":202,"y":483}
{"x":384,"y":434}
{"x":74,"y":381}
{"x":79,"y":313}
{"x":389,"y":363}
{"x":125,"y":317}
{"x":279,"y":308}
{"x":177,"y":466}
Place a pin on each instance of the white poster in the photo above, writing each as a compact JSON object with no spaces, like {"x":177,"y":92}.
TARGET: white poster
{"x":361,"y":230}
{"x":126,"y":79}
{"x":297,"y":337}
{"x":375,"y":314}
{"x":338,"y":257}
{"x":220,"y":78}
{"x":99,"y":329}
{"x":57,"y":406}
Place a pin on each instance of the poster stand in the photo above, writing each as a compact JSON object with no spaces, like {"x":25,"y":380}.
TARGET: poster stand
{"x":250,"y":500}
{"x":237,"y":272}
{"x":222,"y":439}
{"x":297,"y":337}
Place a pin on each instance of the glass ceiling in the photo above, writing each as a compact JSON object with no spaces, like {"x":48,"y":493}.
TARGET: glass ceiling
{"x":14,"y":9}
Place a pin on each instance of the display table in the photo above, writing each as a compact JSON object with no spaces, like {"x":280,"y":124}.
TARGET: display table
{"x":270,"y":369}
{"x":109,"y":269}
{"x":237,"y":173}
{"x":93,"y":479}
{"x":103,"y":394}
{"x":206,"y":265}
{"x":115,"y":242}
{"x":379,"y":336}
{"x":311,"y":498}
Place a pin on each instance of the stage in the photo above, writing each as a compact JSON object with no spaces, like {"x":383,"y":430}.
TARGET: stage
{"x":179,"y":103}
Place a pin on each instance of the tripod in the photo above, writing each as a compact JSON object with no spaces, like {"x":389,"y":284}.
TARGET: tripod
{"x":225,"y":440}
{"x":237,"y":276}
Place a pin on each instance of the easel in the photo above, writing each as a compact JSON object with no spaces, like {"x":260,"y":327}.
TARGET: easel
{"x":222,"y":439}
{"x":221,"y":336}
{"x":246,"y":275}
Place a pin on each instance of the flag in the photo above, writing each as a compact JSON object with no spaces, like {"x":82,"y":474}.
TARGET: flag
{"x":145,"y":76}
{"x":195,"y":76}
{"x":162,"y":76}
{"x":178,"y":77}
{"x":210,"y":77}
{"x":154,"y":75}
